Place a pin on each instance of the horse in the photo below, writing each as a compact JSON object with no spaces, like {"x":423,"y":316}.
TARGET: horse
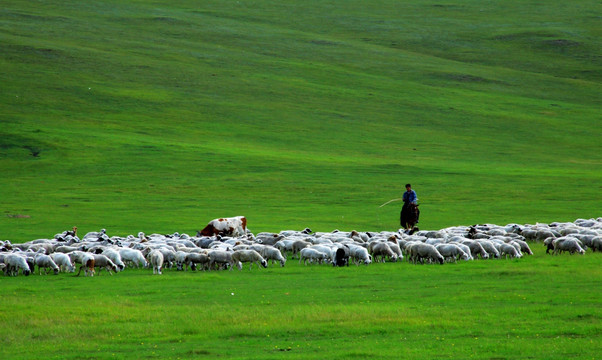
{"x":409,"y":217}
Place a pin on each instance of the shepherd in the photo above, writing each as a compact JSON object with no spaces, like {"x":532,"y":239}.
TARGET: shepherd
{"x":410,"y":212}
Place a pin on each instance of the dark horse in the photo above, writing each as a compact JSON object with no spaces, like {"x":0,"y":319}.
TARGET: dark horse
{"x":409,"y":217}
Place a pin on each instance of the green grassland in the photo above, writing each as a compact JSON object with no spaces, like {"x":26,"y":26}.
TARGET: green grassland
{"x":538,"y":307}
{"x":159,"y":116}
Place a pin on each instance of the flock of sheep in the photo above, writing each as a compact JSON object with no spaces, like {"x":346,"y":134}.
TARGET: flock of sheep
{"x":96,"y":250}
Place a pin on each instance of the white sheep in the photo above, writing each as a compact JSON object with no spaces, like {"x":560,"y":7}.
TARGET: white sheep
{"x":181,"y":260}
{"x":115,"y":257}
{"x":14,"y":263}
{"x":197,"y":258}
{"x":524,"y":247}
{"x":102,"y":261}
{"x":381,"y":251}
{"x":156,"y":260}
{"x":489,"y":247}
{"x":312,"y":255}
{"x":63,"y":262}
{"x":452,"y":252}
{"x":360,"y":254}
{"x":133,"y":257}
{"x":420,"y":251}
{"x":297,"y":246}
{"x":220,"y":258}
{"x":46,"y":262}
{"x":570,"y":244}
{"x":250,"y":256}
{"x":509,"y":250}
{"x":271,"y":253}
{"x":85,"y":259}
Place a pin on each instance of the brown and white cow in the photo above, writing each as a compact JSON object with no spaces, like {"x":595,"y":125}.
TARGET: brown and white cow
{"x":233,"y":226}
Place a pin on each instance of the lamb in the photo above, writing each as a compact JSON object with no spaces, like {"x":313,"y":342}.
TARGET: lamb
{"x":220,"y":257}
{"x":420,"y":251}
{"x":46,"y":262}
{"x":271,"y":253}
{"x":15,"y":262}
{"x":156,"y":260}
{"x":312,"y":254}
{"x":452,"y":252}
{"x":133,"y":257}
{"x":250,"y":256}
{"x":63,"y":262}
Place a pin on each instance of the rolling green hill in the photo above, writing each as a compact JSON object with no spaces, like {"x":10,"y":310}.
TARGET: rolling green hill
{"x":158,"y":116}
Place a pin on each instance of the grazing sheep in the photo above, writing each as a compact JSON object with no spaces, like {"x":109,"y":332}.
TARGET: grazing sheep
{"x":115,"y":257}
{"x":46,"y":262}
{"x":381,"y":251}
{"x":569,"y":244}
{"x":548,"y":243}
{"x":133,"y":257}
{"x":488,"y":246}
{"x":63,"y":262}
{"x":181,"y":260}
{"x":268,"y":238}
{"x":250,"y":256}
{"x":421,"y":251}
{"x":14,"y":263}
{"x":271,"y":253}
{"x":297,"y":246}
{"x":220,"y":258}
{"x":509,"y":250}
{"x":312,"y":254}
{"x":156,"y":260}
{"x":452,"y":252}
{"x":95,"y":236}
{"x":102,"y":261}
{"x":464,"y":248}
{"x":597,"y":244}
{"x":197,"y":258}
{"x":66,"y":249}
{"x":524,"y":247}
{"x":360,"y":254}
{"x":85,"y":259}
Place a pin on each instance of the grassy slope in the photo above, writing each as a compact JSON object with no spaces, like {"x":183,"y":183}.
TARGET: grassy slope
{"x":542,"y":307}
{"x":159,"y":116}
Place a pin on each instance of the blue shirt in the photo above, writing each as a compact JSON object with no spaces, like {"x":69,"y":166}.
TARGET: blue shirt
{"x":410,"y":197}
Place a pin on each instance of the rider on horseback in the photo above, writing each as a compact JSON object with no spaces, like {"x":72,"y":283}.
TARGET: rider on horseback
{"x":409,"y":212}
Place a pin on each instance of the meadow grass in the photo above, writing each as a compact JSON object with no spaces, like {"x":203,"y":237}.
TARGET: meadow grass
{"x":541,"y":307}
{"x":159,"y":116}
